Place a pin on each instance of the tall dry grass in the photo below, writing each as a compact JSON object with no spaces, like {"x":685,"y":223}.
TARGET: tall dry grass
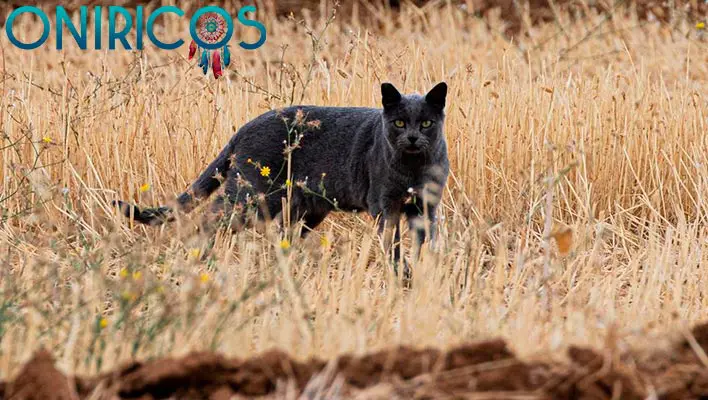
{"x":575,"y":207}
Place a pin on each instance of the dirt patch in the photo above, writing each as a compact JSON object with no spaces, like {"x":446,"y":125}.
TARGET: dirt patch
{"x":39,"y":379}
{"x":488,"y":369}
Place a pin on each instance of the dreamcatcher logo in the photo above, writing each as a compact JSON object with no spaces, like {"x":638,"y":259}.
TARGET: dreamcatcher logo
{"x":211,"y":31}
{"x":211,"y":28}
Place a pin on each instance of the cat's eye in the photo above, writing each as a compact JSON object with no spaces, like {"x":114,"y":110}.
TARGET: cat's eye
{"x":426,"y":123}
{"x":399,"y":123}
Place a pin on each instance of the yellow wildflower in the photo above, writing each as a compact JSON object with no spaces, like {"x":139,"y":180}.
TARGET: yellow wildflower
{"x":265,"y":171}
{"x":194,"y":252}
{"x":204,"y":277}
{"x":103,"y":323}
{"x":288,"y":183}
{"x":144,"y":188}
{"x":128,"y":296}
{"x":47,"y":139}
{"x":285,"y":244}
{"x":701,"y":25}
{"x":249,"y":161}
{"x":123,"y":273}
{"x":137,"y":275}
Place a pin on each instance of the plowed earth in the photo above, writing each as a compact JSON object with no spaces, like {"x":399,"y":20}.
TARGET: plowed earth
{"x":484,"y":370}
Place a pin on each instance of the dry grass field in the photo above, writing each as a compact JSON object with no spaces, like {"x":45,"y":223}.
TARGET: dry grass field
{"x":575,"y":213}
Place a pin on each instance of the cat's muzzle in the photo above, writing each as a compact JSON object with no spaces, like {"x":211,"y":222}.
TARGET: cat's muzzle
{"x":412,"y":149}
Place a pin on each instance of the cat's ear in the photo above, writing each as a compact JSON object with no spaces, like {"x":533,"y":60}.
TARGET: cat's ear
{"x":436,"y":96}
{"x":389,"y":95}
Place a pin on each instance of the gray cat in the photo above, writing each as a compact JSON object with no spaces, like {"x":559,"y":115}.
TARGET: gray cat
{"x":390,"y":162}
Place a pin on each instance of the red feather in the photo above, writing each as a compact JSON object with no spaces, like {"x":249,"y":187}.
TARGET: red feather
{"x":216,"y":65}
{"x":192,"y":49}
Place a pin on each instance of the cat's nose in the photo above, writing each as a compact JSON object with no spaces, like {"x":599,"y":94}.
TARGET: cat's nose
{"x":412,"y":139}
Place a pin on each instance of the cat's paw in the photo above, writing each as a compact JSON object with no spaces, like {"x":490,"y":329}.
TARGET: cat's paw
{"x":407,"y":273}
{"x":125,"y":209}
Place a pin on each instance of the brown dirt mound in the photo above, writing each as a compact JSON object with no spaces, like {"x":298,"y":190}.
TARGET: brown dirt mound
{"x":481,"y":370}
{"x":39,"y":379}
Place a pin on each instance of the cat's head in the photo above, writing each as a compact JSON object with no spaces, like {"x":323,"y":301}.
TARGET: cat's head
{"x":413,"y":124}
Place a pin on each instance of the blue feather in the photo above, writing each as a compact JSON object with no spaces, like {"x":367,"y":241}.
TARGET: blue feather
{"x":204,"y":63}
{"x":227,"y":56}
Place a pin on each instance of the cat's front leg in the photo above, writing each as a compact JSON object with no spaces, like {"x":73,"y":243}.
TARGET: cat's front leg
{"x":389,"y":230}
{"x":420,"y":226}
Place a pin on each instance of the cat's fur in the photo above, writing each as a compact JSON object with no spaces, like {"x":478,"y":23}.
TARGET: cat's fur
{"x":357,"y":155}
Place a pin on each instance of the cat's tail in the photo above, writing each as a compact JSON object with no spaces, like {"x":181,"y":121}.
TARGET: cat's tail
{"x":201,"y":188}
